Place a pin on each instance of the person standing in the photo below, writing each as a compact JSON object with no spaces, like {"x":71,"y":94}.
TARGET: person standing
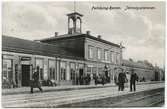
{"x":121,"y":80}
{"x":127,"y":79}
{"x":35,"y":83}
{"x":133,"y":80}
{"x":106,"y":71}
{"x":88,"y":78}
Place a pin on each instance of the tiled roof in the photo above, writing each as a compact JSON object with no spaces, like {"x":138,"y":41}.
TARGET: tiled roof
{"x":79,"y":35}
{"x":33,"y":47}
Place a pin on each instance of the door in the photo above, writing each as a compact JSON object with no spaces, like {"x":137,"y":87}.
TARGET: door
{"x":25,"y":75}
{"x":81,"y":76}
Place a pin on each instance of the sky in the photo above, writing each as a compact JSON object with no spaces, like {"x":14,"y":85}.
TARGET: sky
{"x":142,"y":32}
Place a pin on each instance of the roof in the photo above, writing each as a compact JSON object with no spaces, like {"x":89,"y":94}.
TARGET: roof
{"x":60,"y":37}
{"x":31,"y":47}
{"x":135,"y":64}
{"x":77,"y":35}
{"x":74,"y":13}
{"x":102,"y":40}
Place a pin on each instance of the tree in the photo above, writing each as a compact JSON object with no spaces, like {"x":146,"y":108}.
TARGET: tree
{"x":148,"y":63}
{"x":130,"y":59}
{"x":139,"y":61}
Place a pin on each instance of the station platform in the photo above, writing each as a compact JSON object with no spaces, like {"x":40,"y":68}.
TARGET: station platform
{"x":146,"y":94}
{"x":26,"y":90}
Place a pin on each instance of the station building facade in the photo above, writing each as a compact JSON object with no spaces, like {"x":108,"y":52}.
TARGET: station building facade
{"x":84,"y":55}
{"x":62,"y":58}
{"x":96,"y":52}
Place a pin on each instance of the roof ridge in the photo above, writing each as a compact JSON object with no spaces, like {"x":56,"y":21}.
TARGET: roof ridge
{"x":30,"y":40}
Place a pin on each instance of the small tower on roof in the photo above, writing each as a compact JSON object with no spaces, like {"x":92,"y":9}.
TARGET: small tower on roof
{"x":74,"y":22}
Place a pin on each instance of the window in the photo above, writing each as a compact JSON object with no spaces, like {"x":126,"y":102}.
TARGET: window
{"x":98,"y":53}
{"x":52,"y":73}
{"x":88,"y":69}
{"x":94,"y":70}
{"x":115,"y":58}
{"x":118,"y":58}
{"x":7,"y":69}
{"x":81,"y":66}
{"x":112,"y":56}
{"x":39,"y":67}
{"x":100,"y":70}
{"x":72,"y":71}
{"x":63,"y":71}
{"x":90,"y":52}
{"x":106,"y":55}
{"x":81,"y":70}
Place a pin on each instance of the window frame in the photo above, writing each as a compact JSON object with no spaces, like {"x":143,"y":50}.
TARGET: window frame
{"x":7,"y":69}
{"x":99,"y":51}
{"x":36,"y":58}
{"x":106,"y":56}
{"x":112,"y":56}
{"x":117,"y":58}
{"x":90,"y":49}
{"x":72,"y":76}
{"x":64,"y":71}
{"x":55,"y":71}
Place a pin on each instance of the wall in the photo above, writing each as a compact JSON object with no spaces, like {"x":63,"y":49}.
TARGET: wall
{"x":16,"y":61}
{"x":148,"y":74}
{"x":97,"y":44}
{"x":100,"y":63}
{"x":72,"y":44}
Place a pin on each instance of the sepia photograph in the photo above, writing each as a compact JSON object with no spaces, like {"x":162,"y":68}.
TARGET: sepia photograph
{"x":83,"y":54}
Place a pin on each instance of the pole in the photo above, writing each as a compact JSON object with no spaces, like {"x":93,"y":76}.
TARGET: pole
{"x":74,"y":6}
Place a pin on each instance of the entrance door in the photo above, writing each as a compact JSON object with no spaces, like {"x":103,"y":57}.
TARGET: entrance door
{"x":25,"y":75}
{"x":81,"y":76}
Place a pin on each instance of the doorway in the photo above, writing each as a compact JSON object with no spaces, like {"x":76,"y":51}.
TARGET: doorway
{"x":81,"y":81}
{"x":25,"y":75}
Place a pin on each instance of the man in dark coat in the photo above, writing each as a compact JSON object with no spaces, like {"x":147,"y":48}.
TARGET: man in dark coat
{"x":133,"y":80}
{"x":35,"y":83}
{"x":88,"y":79}
{"x":121,"y":80}
{"x":106,"y":71}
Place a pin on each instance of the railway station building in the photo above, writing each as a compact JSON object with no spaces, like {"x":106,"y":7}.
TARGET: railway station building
{"x":143,"y":71}
{"x":62,"y":58}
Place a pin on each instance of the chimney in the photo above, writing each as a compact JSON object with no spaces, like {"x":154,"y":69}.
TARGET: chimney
{"x":99,"y":36}
{"x":56,"y":34}
{"x":88,"y":32}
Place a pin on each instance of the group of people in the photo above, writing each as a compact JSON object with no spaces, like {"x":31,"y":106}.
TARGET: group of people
{"x":86,"y":80}
{"x":35,"y":83}
{"x":82,"y":79}
{"x":122,"y":79}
